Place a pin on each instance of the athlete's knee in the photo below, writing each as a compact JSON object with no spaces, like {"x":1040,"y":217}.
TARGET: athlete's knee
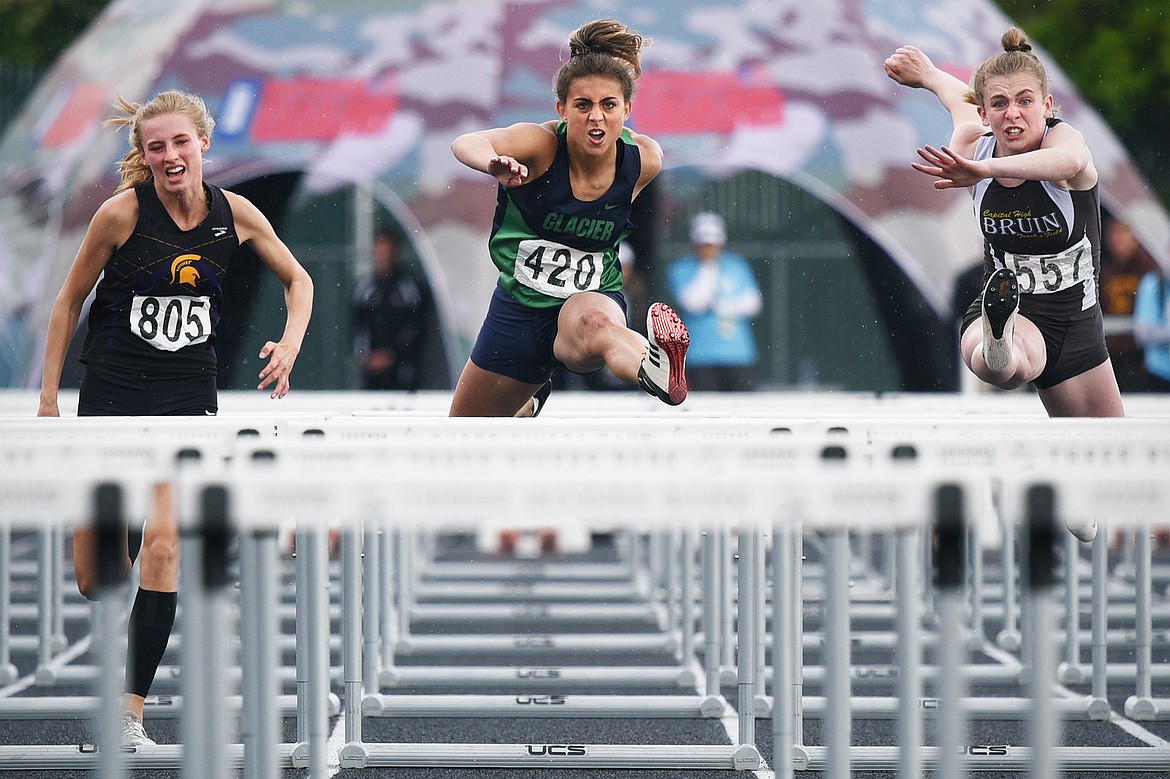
{"x":159,"y":554}
{"x":1012,"y":382}
{"x":594,"y":321}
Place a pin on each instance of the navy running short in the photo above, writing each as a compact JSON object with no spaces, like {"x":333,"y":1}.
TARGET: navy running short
{"x":107,"y":392}
{"x":517,"y":341}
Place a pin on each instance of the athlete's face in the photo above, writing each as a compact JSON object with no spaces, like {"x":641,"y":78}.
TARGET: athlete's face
{"x":174,"y":151}
{"x":596,"y":111}
{"x":1015,"y":109}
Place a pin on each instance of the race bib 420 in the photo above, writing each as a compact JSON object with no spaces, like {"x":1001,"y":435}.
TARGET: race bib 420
{"x":170,"y":323}
{"x":556,"y":270}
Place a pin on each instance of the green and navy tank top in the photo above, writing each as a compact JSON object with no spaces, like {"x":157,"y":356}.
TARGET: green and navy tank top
{"x":158,"y":302}
{"x":548,"y":245}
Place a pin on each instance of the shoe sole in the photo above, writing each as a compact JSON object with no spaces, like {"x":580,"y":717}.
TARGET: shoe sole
{"x":1001,"y":299}
{"x":670,"y":335}
{"x":1083,"y":533}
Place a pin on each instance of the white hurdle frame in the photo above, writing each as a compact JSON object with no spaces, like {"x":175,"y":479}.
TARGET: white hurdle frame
{"x":825,"y":496}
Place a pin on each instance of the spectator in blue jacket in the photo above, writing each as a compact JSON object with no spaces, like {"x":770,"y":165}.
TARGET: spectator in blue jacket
{"x":1151,"y":316}
{"x":717,"y":296}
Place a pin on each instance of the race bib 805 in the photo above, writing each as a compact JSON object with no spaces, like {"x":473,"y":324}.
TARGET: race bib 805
{"x":170,"y":323}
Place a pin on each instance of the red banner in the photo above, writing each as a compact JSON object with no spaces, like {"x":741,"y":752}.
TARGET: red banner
{"x":313,"y":109}
{"x":672,"y":102}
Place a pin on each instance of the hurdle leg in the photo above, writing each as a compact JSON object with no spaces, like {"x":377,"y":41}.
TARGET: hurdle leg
{"x":45,"y":606}
{"x":353,"y":754}
{"x":1039,"y":538}
{"x":60,"y":643}
{"x":745,"y":632}
{"x":687,"y":596}
{"x":672,"y":584}
{"x":250,"y":705}
{"x":762,"y":705}
{"x":1070,"y":671}
{"x":387,"y":616}
{"x":318,"y":649}
{"x":975,"y":560}
{"x":1141,"y":705}
{"x":712,"y":603}
{"x":786,"y":686}
{"x":258,"y":658}
{"x":371,"y":610}
{"x":312,"y":651}
{"x":909,"y":652}
{"x":267,"y":726}
{"x":949,"y":561}
{"x":1009,"y":635}
{"x":838,"y":719}
{"x":110,"y":524}
{"x":204,"y":724}
{"x":8,"y":673}
{"x":1101,"y":621}
{"x":404,"y":545}
{"x":726,"y":610}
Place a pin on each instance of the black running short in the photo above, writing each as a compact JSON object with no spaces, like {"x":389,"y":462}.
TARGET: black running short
{"x":107,"y":392}
{"x":1073,"y":344}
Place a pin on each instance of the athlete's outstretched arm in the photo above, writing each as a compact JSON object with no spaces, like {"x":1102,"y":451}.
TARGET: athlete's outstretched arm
{"x":1063,"y":158}
{"x":508,"y":154}
{"x":910,"y":67}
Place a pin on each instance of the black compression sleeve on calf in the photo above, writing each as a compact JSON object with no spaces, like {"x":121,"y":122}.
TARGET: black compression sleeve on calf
{"x":151,"y":620}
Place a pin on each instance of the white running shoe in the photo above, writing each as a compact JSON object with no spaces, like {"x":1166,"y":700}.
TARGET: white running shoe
{"x":133,"y":734}
{"x":1001,"y":301}
{"x":540,"y":398}
{"x":663,"y":371}
{"x":1084,"y":530}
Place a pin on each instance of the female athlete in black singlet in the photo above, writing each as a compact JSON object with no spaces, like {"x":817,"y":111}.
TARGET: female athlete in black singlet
{"x":1035,"y":191}
{"x":161,"y":246}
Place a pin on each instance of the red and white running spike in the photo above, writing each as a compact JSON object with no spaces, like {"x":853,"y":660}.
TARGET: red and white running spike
{"x":663,"y":371}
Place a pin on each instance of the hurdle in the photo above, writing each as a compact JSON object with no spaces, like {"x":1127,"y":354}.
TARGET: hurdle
{"x":533,"y":597}
{"x":51,"y":468}
{"x":419,"y":489}
{"x":866,"y":474}
{"x":1152,"y":453}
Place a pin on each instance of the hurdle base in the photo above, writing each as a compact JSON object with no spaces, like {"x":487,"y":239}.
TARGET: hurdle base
{"x":1071,"y":673}
{"x":743,"y":757}
{"x":354,"y":755}
{"x":974,"y":708}
{"x":1003,"y":757}
{"x":299,"y":756}
{"x":157,"y":706}
{"x":79,"y":757}
{"x":545,"y":706}
{"x":800,"y":757}
{"x":8,"y":674}
{"x":538,"y":677}
{"x":1146,"y":709}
